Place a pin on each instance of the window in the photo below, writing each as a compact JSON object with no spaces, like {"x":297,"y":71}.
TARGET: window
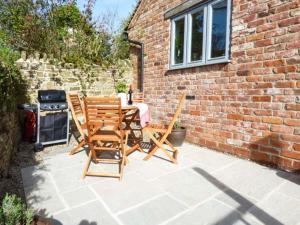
{"x":201,"y":36}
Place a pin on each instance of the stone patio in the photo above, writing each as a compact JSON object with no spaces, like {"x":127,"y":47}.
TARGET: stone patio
{"x":206,"y":187}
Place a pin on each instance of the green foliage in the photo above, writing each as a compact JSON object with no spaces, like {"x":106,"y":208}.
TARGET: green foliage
{"x":57,"y":28}
{"x":121,"y":87}
{"x":176,"y":125}
{"x":60,"y":29}
{"x":13,"y":211}
{"x":12,"y":85}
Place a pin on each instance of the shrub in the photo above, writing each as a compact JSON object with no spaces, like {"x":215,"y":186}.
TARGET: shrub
{"x":13,"y":211}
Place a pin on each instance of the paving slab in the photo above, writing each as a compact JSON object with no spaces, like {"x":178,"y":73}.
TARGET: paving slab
{"x":190,"y":188}
{"x":277,"y":209}
{"x":153,"y":212}
{"x":79,"y":196}
{"x":213,"y":212}
{"x":247,"y":178}
{"x":93,"y":213}
{"x":236,"y":200}
{"x":291,"y":187}
{"x":122,"y":196}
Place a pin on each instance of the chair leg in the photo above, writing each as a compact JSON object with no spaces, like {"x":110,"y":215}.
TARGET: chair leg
{"x":77,"y":148}
{"x":86,"y":168}
{"x":175,"y":150}
{"x":151,"y":153}
{"x":159,"y":144}
{"x":170,"y":145}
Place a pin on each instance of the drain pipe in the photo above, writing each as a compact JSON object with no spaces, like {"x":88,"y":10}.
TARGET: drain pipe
{"x":126,"y":38}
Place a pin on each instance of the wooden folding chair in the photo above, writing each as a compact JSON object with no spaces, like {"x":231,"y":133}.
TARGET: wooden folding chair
{"x":138,"y":97}
{"x":105,"y":133}
{"x":158,"y":133}
{"x":78,"y":116}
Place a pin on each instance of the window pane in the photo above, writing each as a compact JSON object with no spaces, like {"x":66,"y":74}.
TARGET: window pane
{"x":197,"y":36}
{"x":219,"y":21}
{"x":179,"y":41}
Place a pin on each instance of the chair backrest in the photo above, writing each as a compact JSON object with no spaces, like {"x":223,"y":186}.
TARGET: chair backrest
{"x":138,"y":97}
{"x":77,"y":111}
{"x":102,"y":113}
{"x":177,"y":113}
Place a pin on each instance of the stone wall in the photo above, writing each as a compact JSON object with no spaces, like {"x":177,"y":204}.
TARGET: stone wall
{"x":42,"y":72}
{"x":249,"y":107}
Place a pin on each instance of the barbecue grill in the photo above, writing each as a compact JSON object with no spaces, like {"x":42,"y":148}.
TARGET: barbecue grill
{"x":52,"y":118}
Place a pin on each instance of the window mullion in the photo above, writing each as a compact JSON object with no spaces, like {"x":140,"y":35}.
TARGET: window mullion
{"x":186,"y":36}
{"x":205,"y":38}
{"x":208,"y":32}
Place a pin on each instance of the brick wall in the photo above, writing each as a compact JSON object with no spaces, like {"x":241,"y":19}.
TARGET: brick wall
{"x":249,"y":107}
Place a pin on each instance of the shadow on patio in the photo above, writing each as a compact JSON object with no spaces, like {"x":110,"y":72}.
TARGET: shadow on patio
{"x":260,"y":214}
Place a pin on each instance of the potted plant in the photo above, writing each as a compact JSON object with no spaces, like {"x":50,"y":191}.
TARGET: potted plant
{"x":177,"y":135}
{"x":121,"y":89}
{"x":14,"y":212}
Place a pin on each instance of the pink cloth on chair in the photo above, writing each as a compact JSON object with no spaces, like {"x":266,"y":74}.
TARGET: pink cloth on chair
{"x":144,"y":113}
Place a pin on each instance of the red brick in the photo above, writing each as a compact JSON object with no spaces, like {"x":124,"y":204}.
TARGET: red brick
{"x":286,"y":84}
{"x":274,"y":63}
{"x":294,"y":107}
{"x":292,"y":138}
{"x":288,"y":22}
{"x":279,"y":143}
{"x":272,"y":120}
{"x":296,"y":147}
{"x":260,"y":156}
{"x":256,"y":23}
{"x":211,"y":144}
{"x":292,"y":122}
{"x":263,"y":112}
{"x":264,"y":98}
{"x":291,"y":154}
{"x":285,"y":69}
{"x":235,"y":116}
{"x":282,"y":129}
{"x":252,"y":118}
{"x":244,"y":153}
{"x":263,"y":43}
{"x":255,"y":37}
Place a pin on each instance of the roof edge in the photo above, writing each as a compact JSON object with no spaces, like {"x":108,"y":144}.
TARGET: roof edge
{"x":133,"y":14}
{"x":182,"y":7}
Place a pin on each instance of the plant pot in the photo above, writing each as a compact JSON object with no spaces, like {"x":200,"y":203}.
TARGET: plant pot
{"x":37,"y":220}
{"x":123,"y":97}
{"x":177,"y":136}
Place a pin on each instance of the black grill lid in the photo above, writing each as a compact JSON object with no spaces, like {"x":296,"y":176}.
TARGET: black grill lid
{"x":45,"y":96}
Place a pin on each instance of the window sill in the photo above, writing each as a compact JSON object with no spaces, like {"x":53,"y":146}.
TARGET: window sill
{"x":199,"y":65}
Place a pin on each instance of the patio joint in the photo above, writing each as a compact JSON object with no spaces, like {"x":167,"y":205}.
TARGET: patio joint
{"x":178,"y":200}
{"x":74,"y":207}
{"x":238,"y":211}
{"x":114,"y":216}
{"x":171,"y":172}
{"x":191,"y":208}
{"x":267,"y":196}
{"x":58,"y":192}
{"x":141,"y":203}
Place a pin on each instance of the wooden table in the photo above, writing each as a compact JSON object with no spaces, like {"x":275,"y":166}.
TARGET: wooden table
{"x":130,"y":113}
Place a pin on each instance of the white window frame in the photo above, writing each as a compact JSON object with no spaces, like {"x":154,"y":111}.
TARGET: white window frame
{"x":172,"y":56}
{"x":207,"y":32}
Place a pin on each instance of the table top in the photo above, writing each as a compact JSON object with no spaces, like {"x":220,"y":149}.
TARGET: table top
{"x":129,"y":107}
